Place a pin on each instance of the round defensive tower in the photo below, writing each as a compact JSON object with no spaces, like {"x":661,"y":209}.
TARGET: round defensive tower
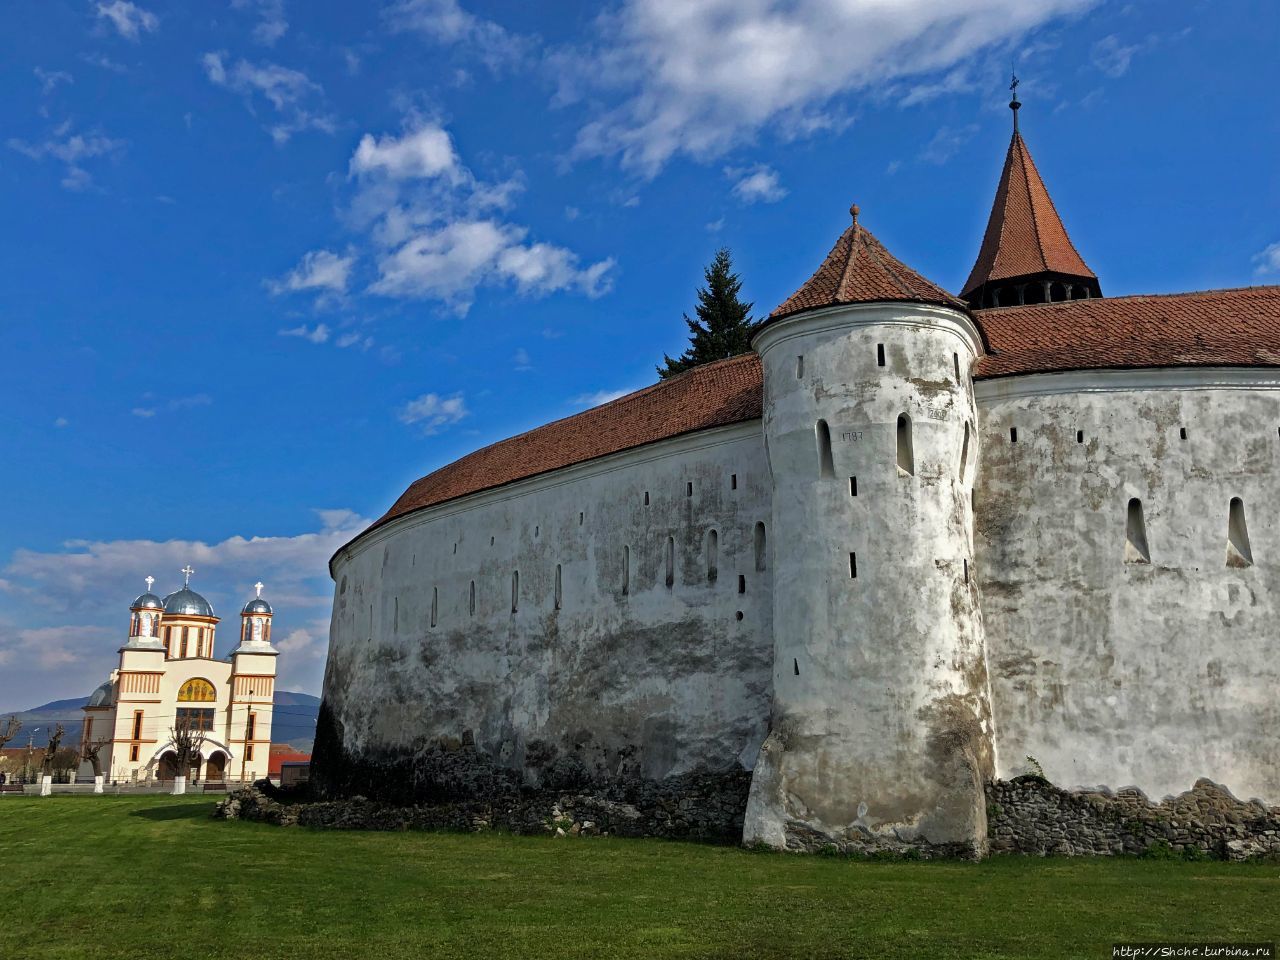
{"x":880,"y":734}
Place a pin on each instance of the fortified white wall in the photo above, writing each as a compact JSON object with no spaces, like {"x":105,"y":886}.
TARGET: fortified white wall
{"x":1107,"y":669}
{"x":616,"y":612}
{"x":880,"y":733}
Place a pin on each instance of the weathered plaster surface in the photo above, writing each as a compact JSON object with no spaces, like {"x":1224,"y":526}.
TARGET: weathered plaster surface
{"x":1107,"y":672}
{"x":881,"y":728}
{"x":631,"y":676}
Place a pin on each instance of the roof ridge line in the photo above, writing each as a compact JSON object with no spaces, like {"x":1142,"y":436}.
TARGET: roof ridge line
{"x":852,"y":230}
{"x":1025,"y":159}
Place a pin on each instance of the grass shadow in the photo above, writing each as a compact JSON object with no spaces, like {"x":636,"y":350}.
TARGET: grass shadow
{"x":184,"y":811}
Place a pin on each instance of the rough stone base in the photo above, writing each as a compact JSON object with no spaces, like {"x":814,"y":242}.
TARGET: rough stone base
{"x":700,"y":806}
{"x":802,"y":839}
{"x":1030,"y":815}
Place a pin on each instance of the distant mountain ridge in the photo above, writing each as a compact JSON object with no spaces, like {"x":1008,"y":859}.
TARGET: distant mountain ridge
{"x":293,"y":721}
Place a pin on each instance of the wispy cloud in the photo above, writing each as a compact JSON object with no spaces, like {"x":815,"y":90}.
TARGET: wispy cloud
{"x":756,"y":184}
{"x":49,"y":79}
{"x":317,"y":334}
{"x":1112,"y":57}
{"x":129,"y":20}
{"x":521,"y":360}
{"x":296,"y":99}
{"x":319,"y":270}
{"x":105,"y":63}
{"x":600,"y":397}
{"x":946,"y":143}
{"x":272,"y":24}
{"x":72,"y":150}
{"x":701,"y":77}
{"x":432,"y":413}
{"x":446,"y":22}
{"x":1267,"y":260}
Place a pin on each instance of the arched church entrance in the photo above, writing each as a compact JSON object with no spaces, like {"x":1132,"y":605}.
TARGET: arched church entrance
{"x":167,"y":768}
{"x":215,"y":768}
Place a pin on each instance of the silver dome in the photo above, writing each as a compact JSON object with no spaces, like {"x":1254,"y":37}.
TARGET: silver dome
{"x":101,"y":697}
{"x":257,"y":605}
{"x":186,"y":602}
{"x":148,"y":601}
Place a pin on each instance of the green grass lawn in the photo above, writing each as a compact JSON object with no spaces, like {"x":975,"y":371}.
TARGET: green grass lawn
{"x":154,"y":876}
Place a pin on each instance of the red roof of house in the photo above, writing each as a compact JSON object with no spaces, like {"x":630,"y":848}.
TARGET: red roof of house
{"x":1024,"y":234}
{"x":1239,"y":327}
{"x":860,"y":270}
{"x":277,"y":759}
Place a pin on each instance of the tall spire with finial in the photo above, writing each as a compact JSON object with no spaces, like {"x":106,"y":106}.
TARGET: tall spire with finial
{"x":1014,"y":103}
{"x":1026,"y":256}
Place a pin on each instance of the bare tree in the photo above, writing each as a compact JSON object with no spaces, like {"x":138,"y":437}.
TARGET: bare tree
{"x":89,"y":754}
{"x":46,"y":768}
{"x":188,"y":743}
{"x":11,"y":728}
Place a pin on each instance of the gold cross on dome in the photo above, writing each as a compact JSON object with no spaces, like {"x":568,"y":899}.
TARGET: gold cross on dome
{"x":258,"y":586}
{"x":150,"y":581}
{"x":186,"y":573}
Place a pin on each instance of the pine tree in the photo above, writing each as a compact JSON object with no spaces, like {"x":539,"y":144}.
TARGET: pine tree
{"x":723,"y":327}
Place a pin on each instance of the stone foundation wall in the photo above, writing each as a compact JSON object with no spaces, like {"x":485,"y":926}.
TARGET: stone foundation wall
{"x":706,"y":807}
{"x":1030,"y":815}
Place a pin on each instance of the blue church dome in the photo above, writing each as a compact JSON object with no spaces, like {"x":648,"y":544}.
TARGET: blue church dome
{"x":148,"y":601}
{"x":186,"y":602}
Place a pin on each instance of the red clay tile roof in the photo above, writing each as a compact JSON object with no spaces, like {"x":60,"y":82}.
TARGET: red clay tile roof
{"x":1239,"y":327}
{"x":1024,"y":234}
{"x":860,"y":270}
{"x":713,"y":395}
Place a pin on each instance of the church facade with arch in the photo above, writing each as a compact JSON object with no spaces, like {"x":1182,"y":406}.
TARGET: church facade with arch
{"x":168,"y":679}
{"x":913,"y":542}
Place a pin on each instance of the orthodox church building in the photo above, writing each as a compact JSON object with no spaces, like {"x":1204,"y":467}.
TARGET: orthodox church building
{"x":168,"y":679}
{"x":908,"y":543}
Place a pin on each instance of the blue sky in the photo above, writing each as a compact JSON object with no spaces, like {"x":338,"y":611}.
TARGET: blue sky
{"x":268,"y":261}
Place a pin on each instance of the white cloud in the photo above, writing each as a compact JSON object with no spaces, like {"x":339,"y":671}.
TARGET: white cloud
{"x":601,"y":397}
{"x":295,"y":97}
{"x":445,"y":22}
{"x":320,"y":270}
{"x":72,"y":149}
{"x":1111,"y":57}
{"x":699,"y":77}
{"x":521,"y":359}
{"x":272,"y":24}
{"x":49,"y":79}
{"x":61,"y":422}
{"x":72,"y":603}
{"x":146,"y":413}
{"x":317,"y":334}
{"x":424,"y":152}
{"x":433,"y":224}
{"x":129,"y":19}
{"x":946,"y":143}
{"x":758,"y":184}
{"x":106,"y":63}
{"x":1267,"y":261}
{"x":432,"y":412}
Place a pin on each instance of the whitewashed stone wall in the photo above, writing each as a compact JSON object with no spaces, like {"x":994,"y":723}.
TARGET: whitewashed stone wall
{"x":629,"y":673}
{"x":1127,"y":673}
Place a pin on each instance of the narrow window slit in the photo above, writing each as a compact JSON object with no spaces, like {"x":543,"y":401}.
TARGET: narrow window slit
{"x":646,"y":498}
{"x":626,"y":570}
{"x":759,"y":544}
{"x":435,"y":601}
{"x":1013,"y":434}
{"x":688,"y":489}
{"x":879,"y":354}
{"x":713,"y":555}
{"x":1079,"y":436}
{"x":906,"y":455}
{"x":671,"y":562}
{"x":964,"y":452}
{"x":471,"y":601}
{"x":853,"y":566}
{"x":559,"y":594}
{"x":1135,"y":545}
{"x":799,"y":367}
{"x":742,"y":584}
{"x":795,"y":666}
{"x":1182,"y":433}
{"x":826,"y":465}
{"x":955,"y":361}
{"x":515,"y":590}
{"x":853,"y":486}
{"x":1239,"y":552}
{"x":966,"y":571}
{"x":733,"y":481}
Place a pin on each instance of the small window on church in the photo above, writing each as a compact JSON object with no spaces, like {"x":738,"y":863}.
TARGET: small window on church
{"x":713,"y":555}
{"x":955,"y":362}
{"x":515,"y":590}
{"x":906,"y":455}
{"x":671,"y":561}
{"x":559,"y":589}
{"x":822,"y":434}
{"x":879,"y":354}
{"x":1239,"y":552}
{"x":1135,"y":542}
{"x":435,"y":601}
{"x":626,"y":570}
{"x":471,"y":602}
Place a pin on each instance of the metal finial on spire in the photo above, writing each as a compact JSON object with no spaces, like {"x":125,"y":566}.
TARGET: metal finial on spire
{"x":1014,"y":102}
{"x":149,"y":581}
{"x":258,"y":586}
{"x":186,"y":575}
